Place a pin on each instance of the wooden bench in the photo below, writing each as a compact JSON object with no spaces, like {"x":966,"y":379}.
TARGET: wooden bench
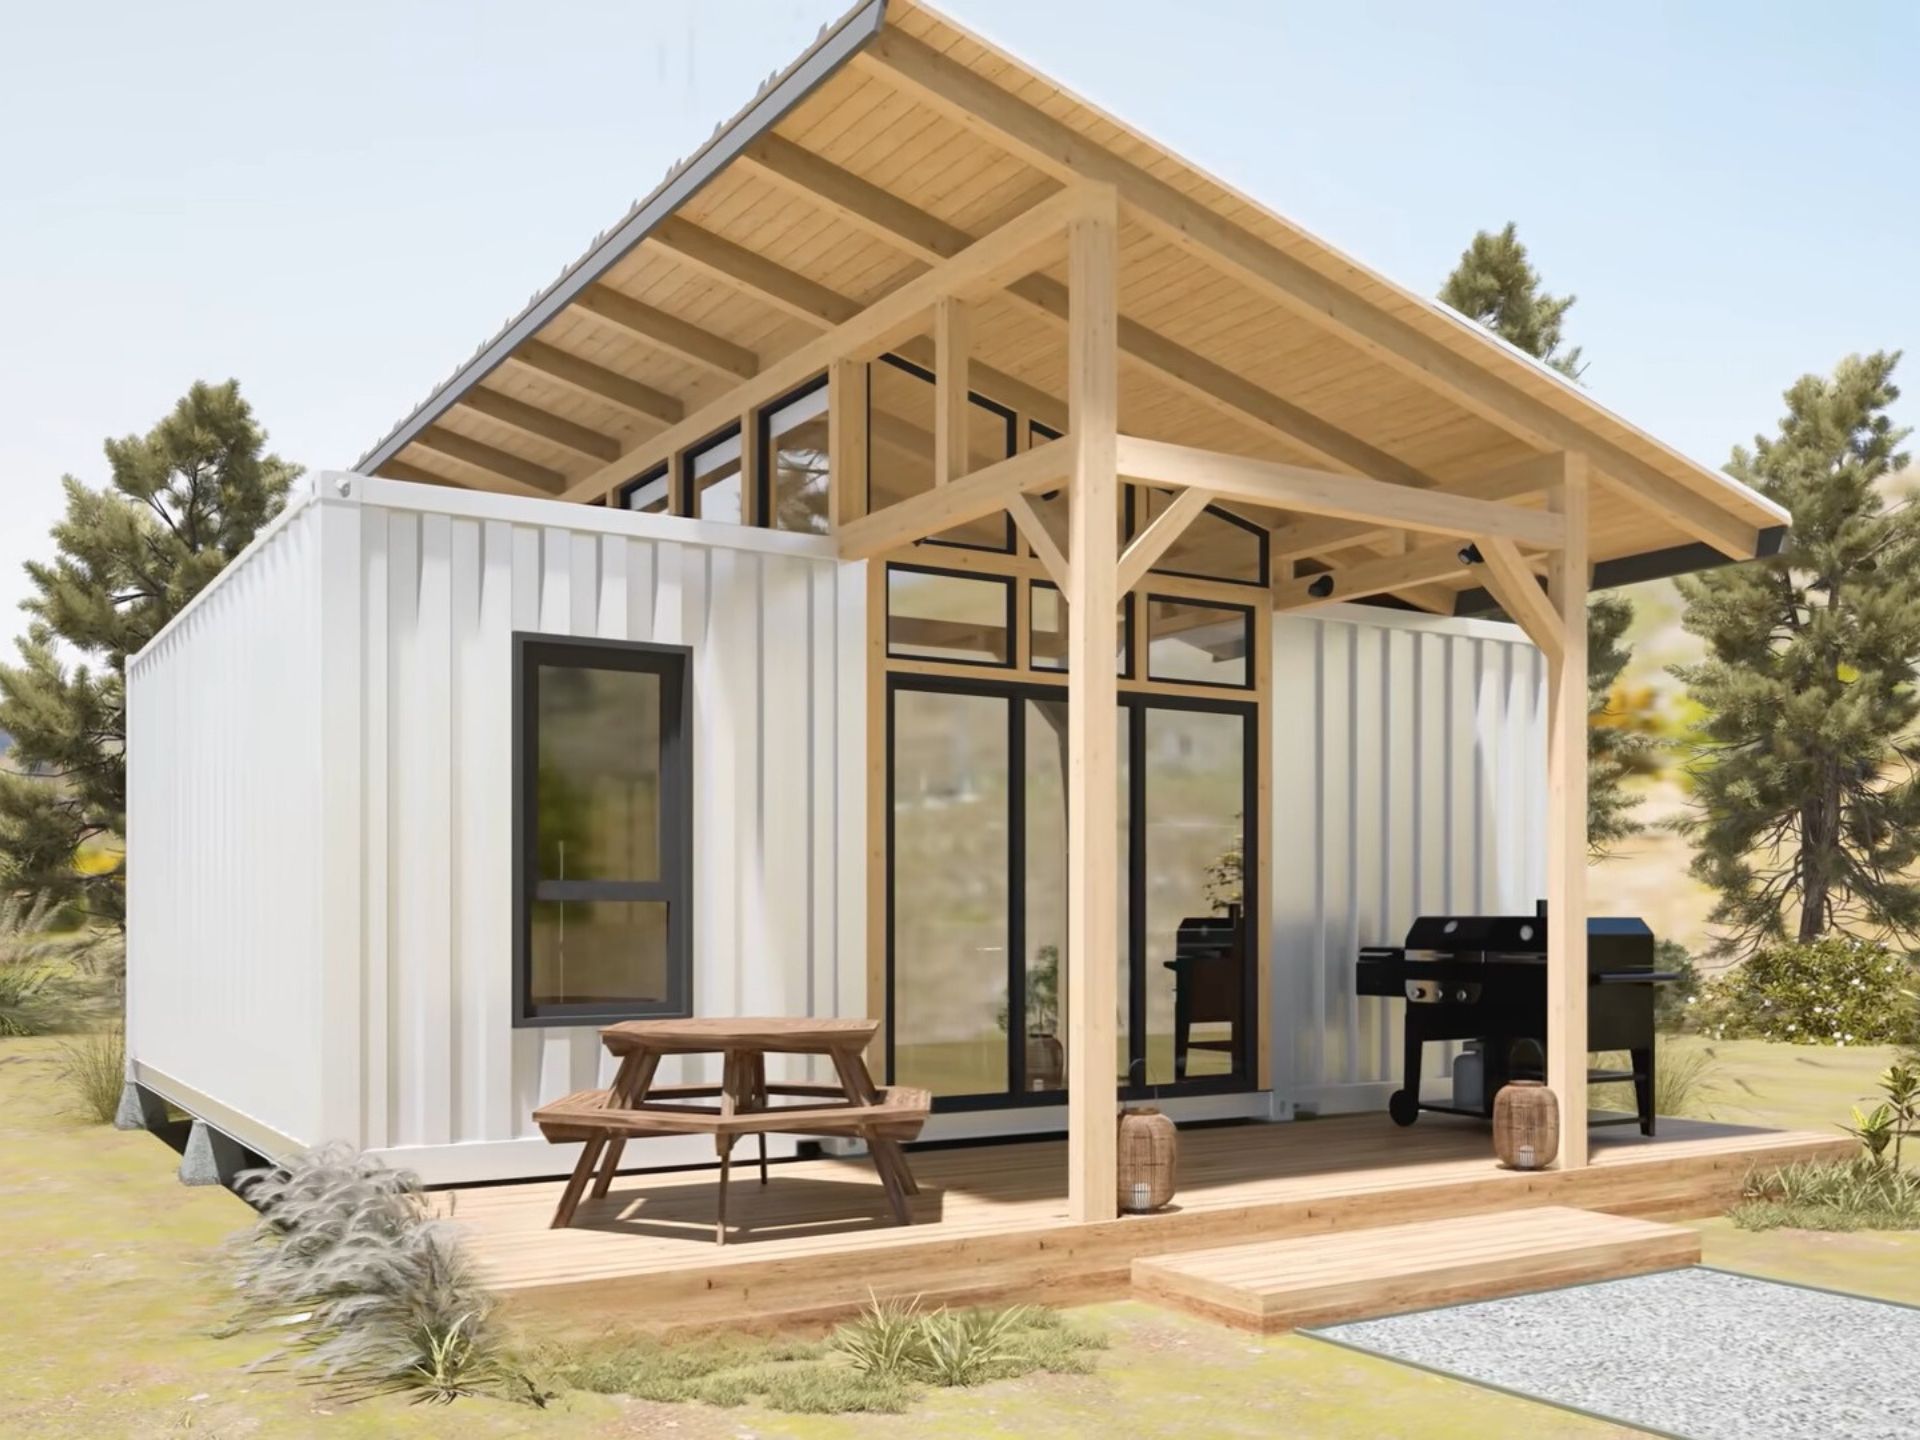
{"x":602,"y":1121}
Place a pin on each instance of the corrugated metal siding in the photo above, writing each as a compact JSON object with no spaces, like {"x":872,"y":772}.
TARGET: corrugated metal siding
{"x":442,"y":596}
{"x":1409,"y":757}
{"x":222,"y":820}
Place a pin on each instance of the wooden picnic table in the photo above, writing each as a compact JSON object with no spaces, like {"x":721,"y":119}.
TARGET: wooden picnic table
{"x":743,"y":1103}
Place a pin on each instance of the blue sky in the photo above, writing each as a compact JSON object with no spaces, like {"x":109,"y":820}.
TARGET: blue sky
{"x":336,"y":204}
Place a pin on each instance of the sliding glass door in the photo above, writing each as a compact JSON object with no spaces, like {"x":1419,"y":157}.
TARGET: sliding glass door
{"x":977,"y":867}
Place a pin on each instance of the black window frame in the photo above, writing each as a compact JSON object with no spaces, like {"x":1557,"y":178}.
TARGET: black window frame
{"x":1007,"y":582}
{"x":533,"y":650}
{"x":1007,"y":416}
{"x":763,"y":457}
{"x":662,"y":471}
{"x":689,"y":482}
{"x":1205,"y":603}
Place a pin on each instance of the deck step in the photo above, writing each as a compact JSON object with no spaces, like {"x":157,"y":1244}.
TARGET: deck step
{"x":1388,"y":1269}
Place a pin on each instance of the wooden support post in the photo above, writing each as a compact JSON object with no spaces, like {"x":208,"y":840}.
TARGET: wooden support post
{"x":1567,"y":818}
{"x":950,"y":345}
{"x":1093,"y":773}
{"x":846,"y":441}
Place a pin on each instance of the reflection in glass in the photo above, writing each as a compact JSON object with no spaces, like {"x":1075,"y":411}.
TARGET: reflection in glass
{"x":1214,"y":546}
{"x":900,"y":454}
{"x":1195,"y":795}
{"x":950,"y":893}
{"x":603,"y":952}
{"x":939,"y":616}
{"x":1047,"y":630}
{"x":1198,"y":644}
{"x":713,"y":474}
{"x":797,"y":463}
{"x":599,"y":774}
{"x":650,"y":493}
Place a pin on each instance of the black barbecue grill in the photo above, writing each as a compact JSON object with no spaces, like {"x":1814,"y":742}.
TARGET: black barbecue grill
{"x":1484,"y":978}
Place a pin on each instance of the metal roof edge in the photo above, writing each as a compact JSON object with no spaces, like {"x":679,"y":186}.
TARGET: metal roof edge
{"x":837,"y":44}
{"x":1647,"y":565}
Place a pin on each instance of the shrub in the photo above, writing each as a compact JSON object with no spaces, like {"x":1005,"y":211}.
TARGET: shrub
{"x":35,"y":963}
{"x":1673,"y":1001}
{"x":375,"y":1296}
{"x":1684,"y":1083}
{"x":1835,"y":991}
{"x":1863,"y":1193}
{"x":93,"y":1070}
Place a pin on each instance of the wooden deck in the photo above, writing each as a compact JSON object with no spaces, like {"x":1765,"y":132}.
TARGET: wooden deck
{"x":1390,"y":1269}
{"x":992,"y":1220}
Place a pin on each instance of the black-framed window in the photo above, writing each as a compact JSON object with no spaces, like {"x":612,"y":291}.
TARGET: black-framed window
{"x":1216,"y":545}
{"x":900,"y":422}
{"x":1047,"y":630}
{"x":711,"y":478}
{"x":1198,"y":642}
{"x":652,"y":493}
{"x":793,"y":480}
{"x":602,"y":825}
{"x":949,"y":615}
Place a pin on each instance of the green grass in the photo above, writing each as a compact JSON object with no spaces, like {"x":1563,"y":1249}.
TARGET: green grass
{"x":111,"y":1305}
{"x":1858,"y":1194}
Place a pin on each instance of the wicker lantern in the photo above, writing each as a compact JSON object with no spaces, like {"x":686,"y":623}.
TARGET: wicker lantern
{"x":1526,"y":1125}
{"x":1149,"y":1155}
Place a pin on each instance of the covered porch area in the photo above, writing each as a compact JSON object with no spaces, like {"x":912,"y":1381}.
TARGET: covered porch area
{"x":993,"y":1221}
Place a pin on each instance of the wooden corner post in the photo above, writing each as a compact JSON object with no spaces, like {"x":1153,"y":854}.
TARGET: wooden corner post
{"x":1093,"y":777}
{"x":1567,"y":817}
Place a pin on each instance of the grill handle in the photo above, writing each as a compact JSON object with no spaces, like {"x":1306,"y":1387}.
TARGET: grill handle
{"x":1637,"y":977}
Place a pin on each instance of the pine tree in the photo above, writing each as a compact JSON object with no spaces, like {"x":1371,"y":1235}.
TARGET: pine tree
{"x":1806,"y":799}
{"x":183,"y":500}
{"x":1496,"y":285}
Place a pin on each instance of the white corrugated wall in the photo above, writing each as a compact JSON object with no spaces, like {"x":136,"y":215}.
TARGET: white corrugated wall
{"x":223,"y":879}
{"x":1410,"y":778}
{"x":776,"y":626}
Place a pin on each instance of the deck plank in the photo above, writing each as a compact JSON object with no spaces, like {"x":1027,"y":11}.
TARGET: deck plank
{"x":992,"y":1222}
{"x":1387,"y":1270}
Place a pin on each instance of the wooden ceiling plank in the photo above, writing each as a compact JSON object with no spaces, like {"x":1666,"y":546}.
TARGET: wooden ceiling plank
{"x":669,"y":332}
{"x":1056,"y":149}
{"x":930,"y":239}
{"x":598,"y":381}
{"x":523,"y":476}
{"x":534,"y":421}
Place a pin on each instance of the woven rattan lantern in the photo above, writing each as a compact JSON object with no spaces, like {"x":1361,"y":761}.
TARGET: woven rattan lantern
{"x":1526,"y":1125}
{"x":1149,"y":1156}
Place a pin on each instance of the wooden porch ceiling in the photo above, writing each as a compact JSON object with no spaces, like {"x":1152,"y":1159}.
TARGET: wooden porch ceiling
{"x":1239,"y":332}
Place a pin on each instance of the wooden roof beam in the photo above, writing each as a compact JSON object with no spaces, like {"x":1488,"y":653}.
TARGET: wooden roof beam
{"x":1519,"y":592}
{"x":588,"y":378}
{"x":1319,"y":492}
{"x":1525,"y":478}
{"x":970,"y":497}
{"x":1054,"y":148}
{"x":669,"y":332}
{"x":510,"y":473}
{"x":930,"y":239}
{"x":532,"y":420}
{"x":1428,"y":565}
{"x":804,"y":299}
{"x":986,"y":264}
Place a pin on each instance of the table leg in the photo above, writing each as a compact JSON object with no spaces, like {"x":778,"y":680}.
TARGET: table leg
{"x":725,"y":1145}
{"x":887,"y":1167}
{"x":577,"y":1183}
{"x":630,"y":1086}
{"x":858,"y":1083}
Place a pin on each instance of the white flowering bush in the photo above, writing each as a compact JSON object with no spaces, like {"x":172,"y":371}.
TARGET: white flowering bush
{"x":1837,"y":991}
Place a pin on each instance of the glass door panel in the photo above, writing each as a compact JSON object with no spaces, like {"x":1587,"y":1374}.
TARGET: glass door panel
{"x":951,"y":902}
{"x":1194,"y":793}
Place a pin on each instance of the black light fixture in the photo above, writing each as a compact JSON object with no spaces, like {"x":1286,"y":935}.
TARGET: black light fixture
{"x":1321,"y":587}
{"x":1470,"y":554}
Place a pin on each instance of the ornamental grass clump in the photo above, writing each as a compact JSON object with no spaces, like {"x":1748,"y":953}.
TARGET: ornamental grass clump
{"x":1875,"y":1190}
{"x":373,"y":1296}
{"x":1836,"y":991}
